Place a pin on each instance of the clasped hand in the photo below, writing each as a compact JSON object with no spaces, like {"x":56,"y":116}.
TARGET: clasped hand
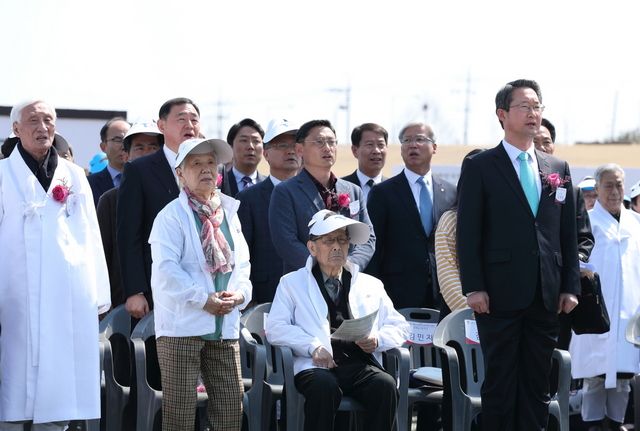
{"x":221,"y":303}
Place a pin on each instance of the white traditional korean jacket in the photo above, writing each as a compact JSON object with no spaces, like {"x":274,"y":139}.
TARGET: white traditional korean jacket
{"x":616,"y":255}
{"x":53,"y":280}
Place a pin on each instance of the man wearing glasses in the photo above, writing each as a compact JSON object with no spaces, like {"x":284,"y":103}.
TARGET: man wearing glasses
{"x":111,"y":134}
{"x":518,"y":253}
{"x":284,"y":162}
{"x":295,"y":201}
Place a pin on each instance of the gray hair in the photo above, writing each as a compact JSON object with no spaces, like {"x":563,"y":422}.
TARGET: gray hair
{"x":16,"y":111}
{"x":430,"y":129}
{"x":608,"y":167}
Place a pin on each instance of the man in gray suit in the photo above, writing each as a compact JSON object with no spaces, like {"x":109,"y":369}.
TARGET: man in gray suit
{"x":295,"y":201}
{"x":284,"y":162}
{"x":369,"y":146}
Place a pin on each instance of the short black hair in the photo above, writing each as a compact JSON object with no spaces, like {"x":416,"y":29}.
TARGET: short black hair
{"x":505,"y":95}
{"x":304,"y":130}
{"x":233,"y":131}
{"x":166,"y":106}
{"x":126,"y":143}
{"x":552,"y":130}
{"x":105,"y":128}
{"x":356,"y":134}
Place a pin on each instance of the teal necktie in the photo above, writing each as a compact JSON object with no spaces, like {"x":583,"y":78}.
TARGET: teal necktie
{"x":426,"y":207}
{"x":528,"y":183}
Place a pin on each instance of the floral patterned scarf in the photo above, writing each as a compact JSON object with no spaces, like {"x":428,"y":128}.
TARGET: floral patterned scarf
{"x":214,"y":245}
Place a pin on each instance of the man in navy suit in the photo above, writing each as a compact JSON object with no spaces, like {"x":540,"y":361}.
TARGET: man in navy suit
{"x":295,"y":201}
{"x":245,"y":139}
{"x":405,"y":256}
{"x":111,"y":134}
{"x":284,"y":162}
{"x":518,"y":253}
{"x":149,"y":183}
{"x":369,"y":146}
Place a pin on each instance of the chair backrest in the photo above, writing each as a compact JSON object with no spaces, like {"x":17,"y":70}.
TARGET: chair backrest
{"x":422,"y":355}
{"x":115,"y":329}
{"x":452,"y":332}
{"x":633,"y":330}
{"x":145,"y":332}
{"x":254,"y":322}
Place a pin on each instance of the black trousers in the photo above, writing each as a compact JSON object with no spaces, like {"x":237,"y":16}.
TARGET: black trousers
{"x":517,"y":347}
{"x":323,"y":390}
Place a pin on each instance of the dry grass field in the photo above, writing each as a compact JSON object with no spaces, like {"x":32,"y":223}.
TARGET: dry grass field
{"x":626,"y":155}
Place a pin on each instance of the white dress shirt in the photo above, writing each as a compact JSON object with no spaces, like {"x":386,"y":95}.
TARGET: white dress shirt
{"x":416,"y":187}
{"x":363,"y":183}
{"x":513,"y":154}
{"x":239,"y":176}
{"x":171,"y":158}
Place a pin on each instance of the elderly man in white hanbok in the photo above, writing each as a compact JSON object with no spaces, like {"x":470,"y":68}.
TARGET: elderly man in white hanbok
{"x":54,"y":282}
{"x":607,"y":361}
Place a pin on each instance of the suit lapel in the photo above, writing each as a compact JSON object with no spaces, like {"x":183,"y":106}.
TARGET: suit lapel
{"x":546,"y":197}
{"x":504,"y":165}
{"x":403,"y":191}
{"x":344,"y":187}
{"x":309,"y":189}
{"x":266,"y":187}
{"x":439,"y":202}
{"x":160,"y":167}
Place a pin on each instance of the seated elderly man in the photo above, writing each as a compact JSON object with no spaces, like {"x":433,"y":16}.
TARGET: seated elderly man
{"x":312,"y":302}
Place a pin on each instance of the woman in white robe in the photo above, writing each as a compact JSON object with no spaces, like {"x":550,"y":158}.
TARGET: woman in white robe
{"x":607,"y":361}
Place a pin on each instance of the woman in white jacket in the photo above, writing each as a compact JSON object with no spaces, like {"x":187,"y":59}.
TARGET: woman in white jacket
{"x":200,"y":281}
{"x":312,"y":302}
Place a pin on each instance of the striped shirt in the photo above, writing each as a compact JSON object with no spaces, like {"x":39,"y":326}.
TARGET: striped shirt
{"x":447,"y":261}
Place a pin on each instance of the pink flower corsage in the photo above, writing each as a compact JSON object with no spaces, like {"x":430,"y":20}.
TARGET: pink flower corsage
{"x":219,"y":180}
{"x":61,"y":192}
{"x":553,"y":181}
{"x":344,"y":200}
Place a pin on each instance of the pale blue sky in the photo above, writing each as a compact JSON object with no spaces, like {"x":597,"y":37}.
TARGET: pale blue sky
{"x":264,"y":59}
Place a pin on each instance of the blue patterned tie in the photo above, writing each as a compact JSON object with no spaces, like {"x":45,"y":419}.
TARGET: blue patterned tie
{"x":334,"y":287}
{"x":248,"y":182}
{"x":528,"y":183}
{"x":426,"y":207}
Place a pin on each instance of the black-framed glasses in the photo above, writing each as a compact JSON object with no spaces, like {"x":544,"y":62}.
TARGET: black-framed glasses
{"x":420,"y":140}
{"x":525,"y":107}
{"x":330,"y":240}
{"x":320,"y":143}
{"x":281,"y":146}
{"x":117,"y":140}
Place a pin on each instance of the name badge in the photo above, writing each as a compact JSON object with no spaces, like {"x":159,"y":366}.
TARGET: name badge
{"x":421,"y":332}
{"x":354,"y":208}
{"x":70,"y":205}
{"x":471,"y":332}
{"x":561,"y":194}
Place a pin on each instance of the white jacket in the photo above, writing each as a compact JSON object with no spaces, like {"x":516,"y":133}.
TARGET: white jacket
{"x":616,"y":255}
{"x":179,"y":280}
{"x":298,"y":316}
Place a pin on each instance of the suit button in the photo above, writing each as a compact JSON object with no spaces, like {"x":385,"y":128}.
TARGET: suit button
{"x":533,"y":252}
{"x":535,"y":224}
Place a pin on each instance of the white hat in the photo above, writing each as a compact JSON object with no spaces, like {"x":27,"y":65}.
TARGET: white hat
{"x":279,"y":126}
{"x":203,"y":146}
{"x":587,"y":183}
{"x":635,"y":190}
{"x":320,"y":224}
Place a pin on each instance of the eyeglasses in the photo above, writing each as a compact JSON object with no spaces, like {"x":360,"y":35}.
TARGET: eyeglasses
{"x":282,"y":146}
{"x":525,"y":107}
{"x":329,"y":240}
{"x":419,"y":140}
{"x":320,"y":143}
{"x":117,"y":140}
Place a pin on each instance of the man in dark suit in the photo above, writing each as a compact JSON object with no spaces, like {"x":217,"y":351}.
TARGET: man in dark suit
{"x":295,"y":201}
{"x":149,"y":183}
{"x":369,"y":146}
{"x":111,"y":134}
{"x":284,"y":162}
{"x":405,"y":256}
{"x":517,"y":247}
{"x":143,"y":138}
{"x":245,"y":139}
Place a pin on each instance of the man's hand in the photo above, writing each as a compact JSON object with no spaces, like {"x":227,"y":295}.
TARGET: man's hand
{"x":368,"y":345}
{"x":137,"y":305}
{"x":567,"y":302}
{"x":322,"y":358}
{"x":479,"y":301}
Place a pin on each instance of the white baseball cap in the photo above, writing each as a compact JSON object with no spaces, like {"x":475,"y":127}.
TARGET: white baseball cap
{"x":279,"y":126}
{"x":587,"y":183}
{"x":221,"y":149}
{"x":635,"y":190}
{"x":321,"y":224}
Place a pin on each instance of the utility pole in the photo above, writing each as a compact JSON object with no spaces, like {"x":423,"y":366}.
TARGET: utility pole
{"x":220,"y":116}
{"x":346,"y":106}
{"x":613,"y":119}
{"x":466,"y":109}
